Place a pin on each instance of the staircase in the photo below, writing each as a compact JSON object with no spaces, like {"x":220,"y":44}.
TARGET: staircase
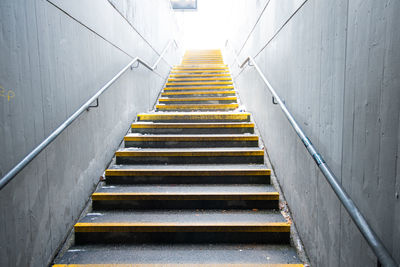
{"x":189,"y":187}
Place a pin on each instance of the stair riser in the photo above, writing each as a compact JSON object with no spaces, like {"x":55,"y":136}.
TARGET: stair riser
{"x":199,"y":85}
{"x":193,"y":130}
{"x":199,"y":102}
{"x":193,"y":94}
{"x":188,"y":120}
{"x":190,"y":160}
{"x":185,"y":204}
{"x":182,"y":237}
{"x":134,"y":180}
{"x":194,"y":89}
{"x":174,"y":144}
{"x":165,"y":109}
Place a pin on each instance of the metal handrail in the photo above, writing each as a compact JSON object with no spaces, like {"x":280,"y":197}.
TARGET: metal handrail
{"x":28,"y":158}
{"x":373,"y":240}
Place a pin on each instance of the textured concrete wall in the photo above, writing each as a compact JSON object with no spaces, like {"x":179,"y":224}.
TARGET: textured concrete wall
{"x":54,"y":56}
{"x":336,"y":64}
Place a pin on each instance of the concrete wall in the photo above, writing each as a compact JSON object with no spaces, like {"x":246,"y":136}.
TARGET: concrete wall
{"x":336,"y":64}
{"x":55,"y":55}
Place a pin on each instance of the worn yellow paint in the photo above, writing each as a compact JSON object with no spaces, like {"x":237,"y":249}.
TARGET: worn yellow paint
{"x":196,"y":83}
{"x":201,"y":59}
{"x":190,"y":99}
{"x":199,"y":93}
{"x":130,"y":227}
{"x":192,"y":125}
{"x":202,"y":62}
{"x":196,"y":66}
{"x":190,"y":138}
{"x":211,"y":59}
{"x":187,"y":172}
{"x":204,"y":68}
{"x":199,"y":79}
{"x":199,"y":71}
{"x":197,"y":106}
{"x":194,"y":116}
{"x":179,"y":265}
{"x":198,"y":75}
{"x":193,"y":153}
{"x":198,"y":88}
{"x":104,"y":196}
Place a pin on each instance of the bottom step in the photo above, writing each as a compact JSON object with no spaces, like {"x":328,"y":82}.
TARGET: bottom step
{"x":181,"y":255}
{"x":183,"y":226}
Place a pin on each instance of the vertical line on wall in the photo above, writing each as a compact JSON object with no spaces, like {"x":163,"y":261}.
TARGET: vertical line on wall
{"x":343,"y":128}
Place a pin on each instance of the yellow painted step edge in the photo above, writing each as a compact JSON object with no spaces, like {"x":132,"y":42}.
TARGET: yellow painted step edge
{"x":192,"y":125}
{"x":161,"y":153}
{"x":195,"y":83}
{"x":194,"y":92}
{"x":199,"y":88}
{"x":200,"y":71}
{"x":199,"y":75}
{"x":196,"y":106}
{"x":177,"y":99}
{"x":179,"y":265}
{"x":194,"y":116}
{"x":129,"y":227}
{"x":199,"y":79}
{"x":186,"y":172}
{"x":197,"y":138}
{"x":103,"y":196}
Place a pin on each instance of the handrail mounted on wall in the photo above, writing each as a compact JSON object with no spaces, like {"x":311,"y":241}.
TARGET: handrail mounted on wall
{"x":384,"y":257}
{"x":28,"y":158}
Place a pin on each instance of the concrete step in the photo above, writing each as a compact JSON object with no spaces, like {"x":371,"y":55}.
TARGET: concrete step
{"x":181,"y":255}
{"x":200,"y":67}
{"x":188,"y":174}
{"x":198,"y":88}
{"x":173,"y":84}
{"x":194,"y":140}
{"x":198,"y":93}
{"x":197,"y":100}
{"x":188,"y":79}
{"x":183,"y":226}
{"x":202,"y":61}
{"x":196,"y":107}
{"x":226,"y":155}
{"x":198,"y":75}
{"x":193,"y":128}
{"x":186,"y":197}
{"x":194,"y":117}
{"x":208,"y":71}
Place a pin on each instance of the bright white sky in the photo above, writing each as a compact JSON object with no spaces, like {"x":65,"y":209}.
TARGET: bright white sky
{"x":208,"y":26}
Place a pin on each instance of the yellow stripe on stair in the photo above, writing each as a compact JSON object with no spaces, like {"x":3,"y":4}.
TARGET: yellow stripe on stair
{"x":238,"y":196}
{"x":197,"y":106}
{"x":129,"y":227}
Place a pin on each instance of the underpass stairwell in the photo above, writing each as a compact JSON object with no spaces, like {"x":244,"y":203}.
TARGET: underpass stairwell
{"x":190,"y":185}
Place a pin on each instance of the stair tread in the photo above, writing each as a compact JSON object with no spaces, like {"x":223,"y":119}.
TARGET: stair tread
{"x":199,"y":93}
{"x":197,"y":106}
{"x":205,"y":189}
{"x":199,"y":88}
{"x":186,"y":113}
{"x":179,"y":254}
{"x":192,"y":167}
{"x":193,"y":124}
{"x":190,"y":137}
{"x":206,"y":98}
{"x":191,"y":149}
{"x":186,"y":218}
